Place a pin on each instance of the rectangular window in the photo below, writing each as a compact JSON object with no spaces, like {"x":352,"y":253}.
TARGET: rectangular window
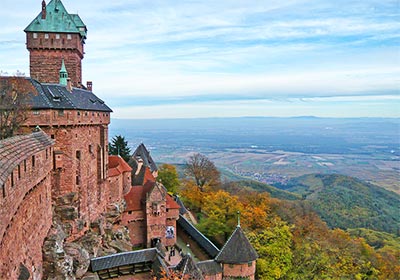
{"x":90,"y":149}
{"x":19,"y":171}
{"x":69,"y":37}
{"x":47,"y":154}
{"x":33,"y":161}
{"x":24,"y":165}
{"x":36,"y":112}
{"x":78,"y":155}
{"x":12,"y":179}
{"x":57,"y":36}
{"x":61,"y":112}
{"x":78,"y":180}
{"x":46,"y":36}
{"x":4,"y":190}
{"x":34,"y":35}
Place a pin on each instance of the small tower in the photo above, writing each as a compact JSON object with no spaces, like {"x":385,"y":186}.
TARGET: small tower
{"x":237,"y":257}
{"x":63,"y":74}
{"x":52,"y":36}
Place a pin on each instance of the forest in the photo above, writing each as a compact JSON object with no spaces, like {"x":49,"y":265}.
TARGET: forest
{"x":292,"y":240}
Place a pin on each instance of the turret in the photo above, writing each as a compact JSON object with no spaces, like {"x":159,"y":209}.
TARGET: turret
{"x":237,"y":257}
{"x":63,"y":74}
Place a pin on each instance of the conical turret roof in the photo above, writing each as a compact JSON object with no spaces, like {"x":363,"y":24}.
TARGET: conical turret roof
{"x":237,"y":249}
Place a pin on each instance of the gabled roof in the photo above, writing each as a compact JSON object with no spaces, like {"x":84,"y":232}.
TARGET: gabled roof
{"x":188,"y":268}
{"x":55,"y":96}
{"x":121,"y":259}
{"x":14,"y":150}
{"x":57,"y":20}
{"x":117,"y":165}
{"x":171,"y":203}
{"x":141,"y":152}
{"x":237,"y":249}
{"x":134,"y":199}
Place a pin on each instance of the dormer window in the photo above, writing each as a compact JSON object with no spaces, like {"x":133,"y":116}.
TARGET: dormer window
{"x":34,"y":36}
{"x":46,"y":36}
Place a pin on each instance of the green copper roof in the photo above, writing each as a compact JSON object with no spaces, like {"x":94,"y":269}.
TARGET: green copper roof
{"x":57,"y":20}
{"x":63,"y":74}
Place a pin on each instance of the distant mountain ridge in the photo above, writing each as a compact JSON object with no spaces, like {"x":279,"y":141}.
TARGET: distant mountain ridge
{"x":346,"y":202}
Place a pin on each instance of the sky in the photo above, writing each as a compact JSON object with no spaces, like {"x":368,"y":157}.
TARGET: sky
{"x":230,"y":58}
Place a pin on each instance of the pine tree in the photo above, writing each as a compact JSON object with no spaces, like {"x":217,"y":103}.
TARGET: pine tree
{"x":119,"y":146}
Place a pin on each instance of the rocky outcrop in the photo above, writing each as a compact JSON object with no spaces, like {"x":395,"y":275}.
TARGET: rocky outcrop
{"x":70,"y":259}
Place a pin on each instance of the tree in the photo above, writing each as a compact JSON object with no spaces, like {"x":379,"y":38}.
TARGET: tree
{"x":119,"y":146}
{"x":273,"y":245}
{"x":220,"y":214}
{"x":203,"y":171}
{"x":168,"y":176}
{"x":14,"y":104}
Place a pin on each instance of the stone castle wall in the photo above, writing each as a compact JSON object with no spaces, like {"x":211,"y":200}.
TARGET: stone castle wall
{"x":47,"y":51}
{"x":80,"y":159}
{"x":25,"y":215}
{"x":239,"y":270}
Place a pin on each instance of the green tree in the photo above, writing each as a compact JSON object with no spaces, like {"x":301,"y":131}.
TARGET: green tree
{"x":273,"y":245}
{"x":220,"y":214}
{"x":203,"y":171}
{"x":119,"y":146}
{"x":168,"y":176}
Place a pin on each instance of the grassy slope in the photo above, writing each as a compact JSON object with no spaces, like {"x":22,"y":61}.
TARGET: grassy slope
{"x":347,"y":202}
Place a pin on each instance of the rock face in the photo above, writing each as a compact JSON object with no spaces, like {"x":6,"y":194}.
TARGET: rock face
{"x":70,"y":259}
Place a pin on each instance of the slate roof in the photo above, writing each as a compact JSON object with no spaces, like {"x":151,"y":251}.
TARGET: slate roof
{"x":117,"y":165}
{"x":57,"y":20}
{"x":120,"y":259}
{"x":57,"y":97}
{"x":16,"y":149}
{"x":237,"y":249}
{"x":188,"y":268}
{"x":197,"y":236}
{"x":209,"y":267}
{"x":182,"y":209}
{"x":141,"y":152}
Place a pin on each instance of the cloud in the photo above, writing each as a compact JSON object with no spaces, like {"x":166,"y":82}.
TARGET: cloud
{"x":147,"y":51}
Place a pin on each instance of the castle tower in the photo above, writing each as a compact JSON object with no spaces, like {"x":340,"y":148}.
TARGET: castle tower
{"x":237,"y":257}
{"x":52,"y":36}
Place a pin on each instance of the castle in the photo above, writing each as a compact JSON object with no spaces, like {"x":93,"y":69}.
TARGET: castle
{"x":58,"y":168}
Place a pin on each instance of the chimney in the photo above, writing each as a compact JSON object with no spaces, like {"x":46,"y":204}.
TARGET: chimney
{"x":139,"y":165}
{"x":69,"y":85}
{"x":43,"y":9}
{"x":89,"y":85}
